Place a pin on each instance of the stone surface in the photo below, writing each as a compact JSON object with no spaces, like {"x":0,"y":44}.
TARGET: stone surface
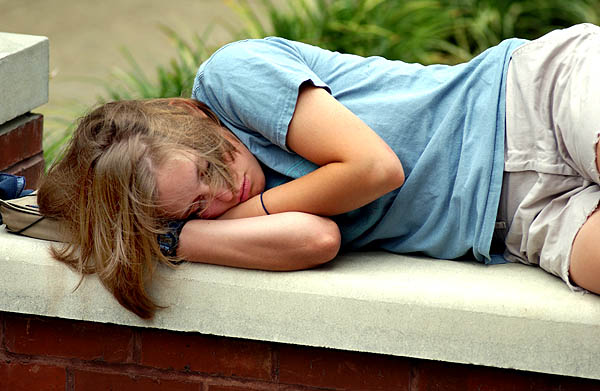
{"x":506,"y":316}
{"x":23,"y":74}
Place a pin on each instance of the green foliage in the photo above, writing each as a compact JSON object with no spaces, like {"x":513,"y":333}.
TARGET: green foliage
{"x":481,"y":24}
{"x":425,"y":31}
{"x":411,"y":30}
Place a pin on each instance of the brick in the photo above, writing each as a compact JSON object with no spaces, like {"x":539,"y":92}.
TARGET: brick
{"x":562,"y":383}
{"x":20,"y":139}
{"x":339,"y":369}
{"x":237,"y":388}
{"x":67,"y":338}
{"x":228,"y":388}
{"x":84,"y":380}
{"x":207,"y":354}
{"x":16,"y":376}
{"x":261,"y":387}
{"x":436,"y":375}
{"x":433,"y":376}
{"x":1,"y":332}
{"x":30,"y":168}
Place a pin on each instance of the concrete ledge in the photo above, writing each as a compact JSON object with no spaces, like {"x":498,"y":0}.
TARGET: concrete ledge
{"x":506,"y":316}
{"x":24,"y":66}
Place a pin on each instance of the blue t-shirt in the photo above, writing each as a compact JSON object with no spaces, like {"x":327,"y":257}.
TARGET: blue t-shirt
{"x":445,"y":123}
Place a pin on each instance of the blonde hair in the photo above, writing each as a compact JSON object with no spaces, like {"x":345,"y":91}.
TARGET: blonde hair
{"x":104,"y":188}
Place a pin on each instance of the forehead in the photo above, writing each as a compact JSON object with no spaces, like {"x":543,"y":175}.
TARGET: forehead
{"x":177,"y":182}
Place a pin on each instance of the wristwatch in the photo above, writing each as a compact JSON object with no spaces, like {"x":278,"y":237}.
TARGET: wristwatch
{"x":169,"y":241}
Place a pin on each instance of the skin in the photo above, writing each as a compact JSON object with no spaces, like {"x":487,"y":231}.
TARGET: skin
{"x":279,"y":242}
{"x":584,"y":268}
{"x":182,"y":192}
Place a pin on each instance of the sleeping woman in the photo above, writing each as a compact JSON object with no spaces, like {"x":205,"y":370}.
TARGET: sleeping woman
{"x":287,"y":154}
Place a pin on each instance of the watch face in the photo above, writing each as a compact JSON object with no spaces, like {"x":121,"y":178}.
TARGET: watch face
{"x":168,"y":241}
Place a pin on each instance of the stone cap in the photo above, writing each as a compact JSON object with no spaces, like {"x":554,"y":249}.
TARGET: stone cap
{"x":506,"y":316}
{"x":24,"y":68}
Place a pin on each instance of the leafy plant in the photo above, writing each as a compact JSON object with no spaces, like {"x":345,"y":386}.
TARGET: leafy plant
{"x":425,"y":31}
{"x":481,"y":24}
{"x":411,"y":30}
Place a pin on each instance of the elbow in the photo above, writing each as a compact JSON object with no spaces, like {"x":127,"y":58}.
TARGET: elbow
{"x":324,"y":244}
{"x":395,"y":173}
{"x":388,"y":173}
{"x":329,"y":243}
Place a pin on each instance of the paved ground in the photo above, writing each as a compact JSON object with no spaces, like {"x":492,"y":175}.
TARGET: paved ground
{"x":86,"y":37}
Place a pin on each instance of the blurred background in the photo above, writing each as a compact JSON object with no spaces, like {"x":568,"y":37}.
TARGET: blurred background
{"x":121,"y":49}
{"x":86,"y":36}
{"x":91,"y":40}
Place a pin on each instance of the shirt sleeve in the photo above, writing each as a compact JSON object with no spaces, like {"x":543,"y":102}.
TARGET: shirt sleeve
{"x":253,"y":85}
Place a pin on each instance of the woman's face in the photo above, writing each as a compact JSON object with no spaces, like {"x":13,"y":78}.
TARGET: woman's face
{"x":182,"y":191}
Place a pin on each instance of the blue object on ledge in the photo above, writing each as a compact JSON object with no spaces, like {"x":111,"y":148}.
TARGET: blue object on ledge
{"x":12,"y":186}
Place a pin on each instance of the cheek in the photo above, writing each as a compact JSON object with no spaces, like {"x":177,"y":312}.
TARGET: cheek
{"x":210,"y":212}
{"x":215,"y":209}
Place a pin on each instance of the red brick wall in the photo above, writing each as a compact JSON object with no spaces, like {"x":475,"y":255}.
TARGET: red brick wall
{"x":21,"y":147}
{"x":39,"y":353}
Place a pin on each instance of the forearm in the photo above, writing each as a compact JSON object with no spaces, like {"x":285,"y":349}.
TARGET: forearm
{"x":330,"y":190}
{"x":355,"y":165}
{"x":285,"y":241}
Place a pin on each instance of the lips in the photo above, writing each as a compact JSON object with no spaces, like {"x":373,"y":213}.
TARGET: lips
{"x":244,"y":190}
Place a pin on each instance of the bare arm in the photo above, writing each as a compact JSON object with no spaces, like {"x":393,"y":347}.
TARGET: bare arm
{"x":356,"y":165}
{"x":284,"y":241}
{"x":584,"y":268}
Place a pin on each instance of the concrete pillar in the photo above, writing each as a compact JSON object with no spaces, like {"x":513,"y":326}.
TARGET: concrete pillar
{"x":23,"y":87}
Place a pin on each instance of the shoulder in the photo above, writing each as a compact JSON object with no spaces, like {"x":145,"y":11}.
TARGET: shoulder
{"x":253,"y":65}
{"x":254,"y":48}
